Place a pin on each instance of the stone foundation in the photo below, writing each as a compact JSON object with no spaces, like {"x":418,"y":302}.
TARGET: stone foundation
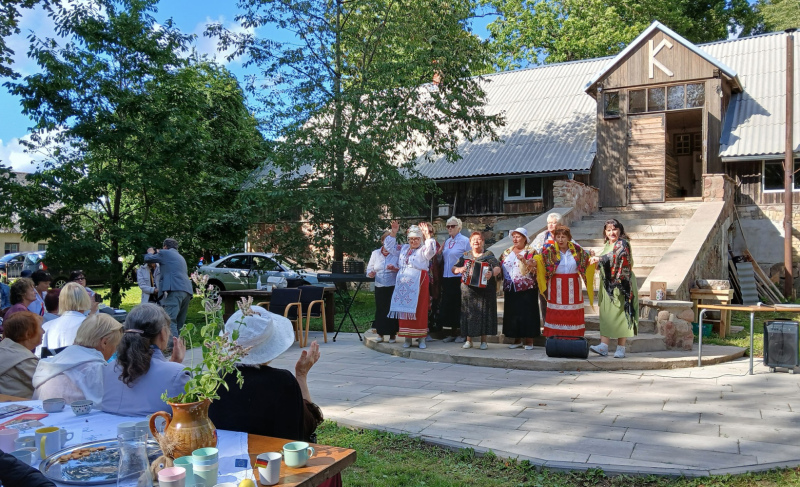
{"x":673,"y":321}
{"x":569,"y":193}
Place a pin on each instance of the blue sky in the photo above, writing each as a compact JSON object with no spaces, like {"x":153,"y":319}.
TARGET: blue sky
{"x":188,"y":16}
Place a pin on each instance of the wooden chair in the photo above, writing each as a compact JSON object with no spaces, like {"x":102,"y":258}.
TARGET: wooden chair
{"x":313,"y":307}
{"x":286,"y":302}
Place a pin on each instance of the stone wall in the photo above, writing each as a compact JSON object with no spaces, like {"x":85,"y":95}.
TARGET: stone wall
{"x":673,"y":321}
{"x":718,"y":187}
{"x":569,"y":193}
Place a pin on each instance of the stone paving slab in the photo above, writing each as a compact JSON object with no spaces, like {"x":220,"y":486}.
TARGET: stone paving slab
{"x":694,"y":421}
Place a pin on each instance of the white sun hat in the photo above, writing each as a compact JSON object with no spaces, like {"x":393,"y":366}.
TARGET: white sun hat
{"x":522,"y":232}
{"x":268,"y":334}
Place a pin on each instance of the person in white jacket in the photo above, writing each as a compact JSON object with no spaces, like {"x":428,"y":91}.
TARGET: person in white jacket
{"x":77,"y":372}
{"x":73,"y":303}
{"x":147,"y":277}
{"x":411,"y":296}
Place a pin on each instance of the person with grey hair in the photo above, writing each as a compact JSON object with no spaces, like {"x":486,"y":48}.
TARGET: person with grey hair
{"x":450,"y":307}
{"x":546,"y":237}
{"x":133,"y":384}
{"x":173,"y":283}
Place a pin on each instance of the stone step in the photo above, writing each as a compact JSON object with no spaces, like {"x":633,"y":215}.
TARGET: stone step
{"x":646,"y":232}
{"x":644,"y":342}
{"x":639,"y":251}
{"x":645,"y":326}
{"x":641,"y":243}
{"x":626,"y":216}
{"x":629,"y":223}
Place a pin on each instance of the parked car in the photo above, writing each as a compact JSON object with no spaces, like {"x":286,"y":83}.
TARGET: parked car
{"x":94,"y":272}
{"x":11,"y":265}
{"x":242,"y":271}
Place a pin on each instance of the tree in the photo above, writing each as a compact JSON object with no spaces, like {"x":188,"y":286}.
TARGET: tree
{"x":143,"y":142}
{"x":550,"y":31}
{"x":350,"y":104}
{"x":779,"y":14}
{"x":9,"y":25}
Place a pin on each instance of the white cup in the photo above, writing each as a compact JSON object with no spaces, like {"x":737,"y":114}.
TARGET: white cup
{"x":205,"y":475}
{"x":269,"y":474}
{"x":172,"y":477}
{"x":7,"y":438}
{"x":34,"y":454}
{"x":127,"y":430}
{"x":24,"y":442}
{"x":23,"y":456}
{"x":65,"y":436}
{"x":48,"y":441}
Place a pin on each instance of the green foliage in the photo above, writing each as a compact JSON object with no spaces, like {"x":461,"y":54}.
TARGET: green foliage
{"x":550,"y":31}
{"x":779,"y":14}
{"x":9,"y":24}
{"x":220,"y":352}
{"x":142,"y":142}
{"x":351,"y":104}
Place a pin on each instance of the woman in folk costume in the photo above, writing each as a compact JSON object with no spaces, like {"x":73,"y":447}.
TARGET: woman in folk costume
{"x":619,"y":298}
{"x":383,"y":267}
{"x":521,"y":309}
{"x":411,"y":296}
{"x":559,"y":270}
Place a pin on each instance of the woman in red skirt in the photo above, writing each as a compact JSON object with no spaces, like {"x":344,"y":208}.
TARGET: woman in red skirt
{"x":411,"y":296}
{"x":560,"y":269}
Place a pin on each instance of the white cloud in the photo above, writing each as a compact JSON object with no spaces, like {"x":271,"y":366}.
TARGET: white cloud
{"x":210,"y":45}
{"x":14,"y":154}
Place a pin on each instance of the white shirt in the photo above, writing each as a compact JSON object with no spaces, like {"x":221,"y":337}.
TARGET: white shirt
{"x":452,"y":250}
{"x":61,"y":332}
{"x":378,"y":263}
{"x":74,"y":374}
{"x":418,"y":258}
{"x":567,"y":264}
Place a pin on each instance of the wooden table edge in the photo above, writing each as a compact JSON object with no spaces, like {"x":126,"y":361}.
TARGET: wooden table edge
{"x":342,"y":463}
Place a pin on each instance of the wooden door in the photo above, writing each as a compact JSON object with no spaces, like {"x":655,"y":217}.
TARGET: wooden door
{"x":646,"y":156}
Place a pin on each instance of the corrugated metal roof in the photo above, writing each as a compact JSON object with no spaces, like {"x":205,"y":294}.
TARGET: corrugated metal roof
{"x":550,"y":125}
{"x":754,"y":122}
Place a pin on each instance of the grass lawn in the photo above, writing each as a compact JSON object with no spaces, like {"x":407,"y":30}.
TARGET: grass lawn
{"x":742,"y":339}
{"x":388,"y":460}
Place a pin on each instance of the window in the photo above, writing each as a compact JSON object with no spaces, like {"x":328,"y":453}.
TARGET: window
{"x":611,"y":104}
{"x":697,"y":142}
{"x":235,"y":262}
{"x":773,"y":176}
{"x":524,"y":188}
{"x":637,"y":102}
{"x":695,"y":95}
{"x":42,"y":247}
{"x":265,"y":264}
{"x":683,"y":144}
{"x":656,"y":100}
{"x":11,"y":248}
{"x":675,"y":97}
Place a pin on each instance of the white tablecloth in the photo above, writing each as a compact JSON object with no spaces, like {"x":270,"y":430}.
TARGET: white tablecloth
{"x":98,"y":425}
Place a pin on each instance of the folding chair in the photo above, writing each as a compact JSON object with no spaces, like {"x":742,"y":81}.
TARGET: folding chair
{"x":286,"y":302}
{"x":313,"y":307}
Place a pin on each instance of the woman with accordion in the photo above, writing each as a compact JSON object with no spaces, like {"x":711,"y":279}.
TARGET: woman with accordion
{"x":479,"y":270}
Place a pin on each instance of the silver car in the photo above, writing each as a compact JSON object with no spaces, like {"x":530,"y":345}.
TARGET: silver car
{"x":243,"y":270}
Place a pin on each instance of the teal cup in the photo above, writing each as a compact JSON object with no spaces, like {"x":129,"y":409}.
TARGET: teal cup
{"x":205,"y":475}
{"x":186,"y":463}
{"x":297,"y":453}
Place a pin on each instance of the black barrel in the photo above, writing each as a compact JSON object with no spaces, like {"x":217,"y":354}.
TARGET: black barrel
{"x":567,"y":347}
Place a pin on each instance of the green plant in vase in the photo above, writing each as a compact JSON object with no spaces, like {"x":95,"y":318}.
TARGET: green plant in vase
{"x":189,"y":428}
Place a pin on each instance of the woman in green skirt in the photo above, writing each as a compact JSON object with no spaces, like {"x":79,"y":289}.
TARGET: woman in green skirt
{"x":618,"y":298}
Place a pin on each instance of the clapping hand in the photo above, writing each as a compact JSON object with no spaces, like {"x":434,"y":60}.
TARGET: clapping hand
{"x":307,"y":359}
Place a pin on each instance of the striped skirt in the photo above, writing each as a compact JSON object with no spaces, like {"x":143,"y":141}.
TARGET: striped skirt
{"x":564,"y":306}
{"x":419,"y":327}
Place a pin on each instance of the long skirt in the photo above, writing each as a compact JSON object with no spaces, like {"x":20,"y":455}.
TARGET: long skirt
{"x":564,"y":306}
{"x":521,"y":314}
{"x":450,"y":306}
{"x":478,"y":311}
{"x":418,"y":328}
{"x":613,"y":320}
{"x":383,"y":301}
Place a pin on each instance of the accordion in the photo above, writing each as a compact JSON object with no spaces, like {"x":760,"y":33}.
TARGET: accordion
{"x":476,"y":274}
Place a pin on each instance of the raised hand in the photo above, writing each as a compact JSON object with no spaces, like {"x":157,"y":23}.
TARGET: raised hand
{"x":395,"y":227}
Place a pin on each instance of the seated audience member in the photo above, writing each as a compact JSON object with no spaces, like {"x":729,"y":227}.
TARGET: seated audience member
{"x":5,"y":296}
{"x":60,"y":332}
{"x":16,"y":473}
{"x":41,"y":282}
{"x":23,"y":333}
{"x":272,"y":402}
{"x":77,"y":372}
{"x":23,"y":293}
{"x":134,"y":382}
{"x":80,"y":278}
{"x":51,"y":304}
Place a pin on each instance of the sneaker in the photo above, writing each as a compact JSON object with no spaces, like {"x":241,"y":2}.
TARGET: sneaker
{"x":484,"y":346}
{"x":601,"y":349}
{"x":528,"y":347}
{"x":379,"y":339}
{"x":392,"y":340}
{"x":460,"y":339}
{"x":407,"y":343}
{"x":620,"y":353}
{"x":429,"y":339}
{"x":467,"y":344}
{"x":515,"y":345}
{"x":422,"y":343}
{"x":449,"y":339}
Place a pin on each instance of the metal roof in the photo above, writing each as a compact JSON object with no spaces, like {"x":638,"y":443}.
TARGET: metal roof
{"x":754,"y":122}
{"x":550,"y":125}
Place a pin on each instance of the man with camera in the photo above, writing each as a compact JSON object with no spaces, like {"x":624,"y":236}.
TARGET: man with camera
{"x":174,"y":283}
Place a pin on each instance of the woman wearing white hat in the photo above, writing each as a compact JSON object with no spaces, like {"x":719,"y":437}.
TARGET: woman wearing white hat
{"x":411,"y":296}
{"x":271,"y":402}
{"x":521,"y":308}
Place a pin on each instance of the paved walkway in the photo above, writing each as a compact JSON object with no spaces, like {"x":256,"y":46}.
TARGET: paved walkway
{"x":694,"y":421}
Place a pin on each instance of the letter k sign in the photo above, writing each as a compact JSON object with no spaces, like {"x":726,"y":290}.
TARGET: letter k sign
{"x":655,"y":62}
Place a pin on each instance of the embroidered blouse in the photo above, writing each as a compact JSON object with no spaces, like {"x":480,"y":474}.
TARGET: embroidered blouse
{"x":452,"y":250}
{"x":548,"y":263}
{"x":517,"y":276}
{"x":418,"y":258}
{"x":378,"y":263}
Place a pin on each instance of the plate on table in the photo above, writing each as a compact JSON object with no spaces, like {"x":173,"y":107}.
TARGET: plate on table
{"x":99,"y":467}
